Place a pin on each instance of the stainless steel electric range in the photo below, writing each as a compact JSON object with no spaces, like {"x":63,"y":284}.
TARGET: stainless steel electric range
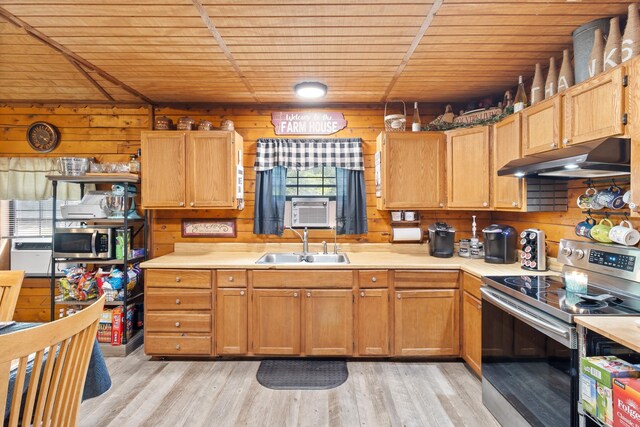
{"x":530,"y":362}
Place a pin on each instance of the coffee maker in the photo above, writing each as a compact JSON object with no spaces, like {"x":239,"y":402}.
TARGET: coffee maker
{"x":441,"y":239}
{"x":500,"y":244}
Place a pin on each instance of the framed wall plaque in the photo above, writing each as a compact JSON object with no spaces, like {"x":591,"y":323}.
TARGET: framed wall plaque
{"x":209,"y":227}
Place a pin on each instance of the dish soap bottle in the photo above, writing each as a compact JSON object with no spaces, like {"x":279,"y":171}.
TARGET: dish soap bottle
{"x":415,"y":126}
{"x":134,"y":164}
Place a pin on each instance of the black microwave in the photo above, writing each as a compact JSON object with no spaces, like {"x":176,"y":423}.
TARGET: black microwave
{"x":86,"y":243}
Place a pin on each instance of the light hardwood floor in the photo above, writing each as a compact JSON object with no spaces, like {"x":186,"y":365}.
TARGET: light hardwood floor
{"x":226,"y":393}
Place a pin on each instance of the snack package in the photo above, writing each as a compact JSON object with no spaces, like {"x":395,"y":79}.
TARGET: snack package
{"x":626,"y":402}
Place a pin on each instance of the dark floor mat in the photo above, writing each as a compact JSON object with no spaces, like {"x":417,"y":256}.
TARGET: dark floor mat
{"x":302,"y":374}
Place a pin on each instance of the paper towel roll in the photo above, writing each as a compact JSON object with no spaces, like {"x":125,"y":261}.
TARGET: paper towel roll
{"x":404,"y":234}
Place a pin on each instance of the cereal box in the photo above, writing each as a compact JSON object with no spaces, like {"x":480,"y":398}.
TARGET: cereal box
{"x":604,"y":404}
{"x":589,"y":394}
{"x":604,"y":369}
{"x":626,"y":402}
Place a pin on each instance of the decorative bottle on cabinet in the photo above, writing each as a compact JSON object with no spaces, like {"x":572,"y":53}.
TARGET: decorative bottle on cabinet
{"x":565,"y":79}
{"x":612,"y":49}
{"x":597,"y":53}
{"x":537,"y":87}
{"x":551,"y":85}
{"x":520,"y":100}
{"x":631,"y":37}
{"x":415,"y":126}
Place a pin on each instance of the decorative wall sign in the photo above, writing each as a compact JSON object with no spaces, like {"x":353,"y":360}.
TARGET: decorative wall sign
{"x":208,"y":228}
{"x":307,"y":123}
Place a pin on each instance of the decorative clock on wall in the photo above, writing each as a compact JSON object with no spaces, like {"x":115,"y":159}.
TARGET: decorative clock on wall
{"x":43,"y":137}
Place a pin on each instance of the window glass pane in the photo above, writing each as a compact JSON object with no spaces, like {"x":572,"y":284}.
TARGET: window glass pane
{"x":329,"y":171}
{"x":292,"y":181}
{"x":310,"y":191}
{"x":292,"y":191}
{"x":311,"y":181}
{"x":291,"y":172}
{"x":330,"y":191}
{"x":329,"y":182}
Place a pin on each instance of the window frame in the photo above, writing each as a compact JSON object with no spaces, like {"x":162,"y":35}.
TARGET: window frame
{"x":322,"y":186}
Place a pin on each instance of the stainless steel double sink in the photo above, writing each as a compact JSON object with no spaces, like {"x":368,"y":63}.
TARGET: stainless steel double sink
{"x":298,"y":258}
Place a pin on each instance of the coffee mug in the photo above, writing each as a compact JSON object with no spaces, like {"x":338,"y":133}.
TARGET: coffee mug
{"x":600,"y":232}
{"x":583,"y":229}
{"x":624,"y":234}
{"x":409,"y":216}
{"x":612,"y":197}
{"x":396,"y":216}
{"x":584,"y":200}
{"x":627,"y":197}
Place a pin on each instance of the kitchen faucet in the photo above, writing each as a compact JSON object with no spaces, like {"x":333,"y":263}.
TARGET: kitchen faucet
{"x":305,"y":240}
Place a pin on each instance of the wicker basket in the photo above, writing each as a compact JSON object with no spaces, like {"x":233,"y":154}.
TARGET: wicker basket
{"x":395,"y":122}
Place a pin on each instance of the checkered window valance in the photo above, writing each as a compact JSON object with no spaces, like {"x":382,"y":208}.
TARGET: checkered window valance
{"x":301,"y":154}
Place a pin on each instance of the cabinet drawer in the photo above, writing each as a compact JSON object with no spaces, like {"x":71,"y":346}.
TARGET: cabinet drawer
{"x":231,"y":278}
{"x":177,"y":299}
{"x":177,"y":344}
{"x":303,"y":279}
{"x":178,"y":279}
{"x":373,"y":278}
{"x":170,"y":321}
{"x":472,"y":285}
{"x":426,"y":279}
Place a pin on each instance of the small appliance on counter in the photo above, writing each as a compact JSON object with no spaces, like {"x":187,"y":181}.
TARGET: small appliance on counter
{"x":90,"y":207}
{"x":471,"y":248}
{"x":441,"y":239}
{"x":500,"y":244}
{"x":534,"y":253}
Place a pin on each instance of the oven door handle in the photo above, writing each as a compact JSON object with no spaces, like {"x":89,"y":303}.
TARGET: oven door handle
{"x":524,"y":316}
{"x":94,"y":238}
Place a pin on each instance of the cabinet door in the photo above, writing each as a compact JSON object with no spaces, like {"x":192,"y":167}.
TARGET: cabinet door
{"x":594,"y":109}
{"x":507,"y":190}
{"x":472,"y":332}
{"x":541,"y":126}
{"x":427,"y":323}
{"x":413,"y":170}
{"x":328,"y":317}
{"x":468,"y":179}
{"x":276,"y":321}
{"x":231,"y":321}
{"x":211,"y":169}
{"x":163,"y":169}
{"x":373,"y":322}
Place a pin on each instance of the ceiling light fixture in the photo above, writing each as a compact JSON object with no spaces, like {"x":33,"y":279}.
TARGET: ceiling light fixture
{"x":311,"y":90}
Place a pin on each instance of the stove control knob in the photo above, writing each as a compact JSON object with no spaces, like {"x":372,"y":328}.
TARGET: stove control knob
{"x":567,"y":251}
{"x":579,"y":253}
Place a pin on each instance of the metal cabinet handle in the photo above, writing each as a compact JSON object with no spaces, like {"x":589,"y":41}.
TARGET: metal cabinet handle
{"x":181,"y":204}
{"x":442,"y":204}
{"x":192,"y":204}
{"x":177,"y":324}
{"x":177,"y":300}
{"x":362,"y":293}
{"x":295,"y":295}
{"x":308,"y":294}
{"x":514,"y":204}
{"x":242,"y":293}
{"x":479,"y":306}
{"x":485,"y":204}
{"x":230,"y":278}
{"x":374,"y":279}
{"x":553,"y":145}
{"x":566,"y":141}
{"x":399,"y":296}
{"x":177,"y":346}
{"x":178,"y":279}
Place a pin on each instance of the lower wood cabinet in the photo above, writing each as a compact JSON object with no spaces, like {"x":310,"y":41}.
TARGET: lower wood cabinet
{"x":184,"y":344}
{"x":426,"y":323}
{"x":231,"y":321}
{"x":275,"y":316}
{"x":373,"y":322}
{"x":328,"y":322}
{"x":472,"y":331}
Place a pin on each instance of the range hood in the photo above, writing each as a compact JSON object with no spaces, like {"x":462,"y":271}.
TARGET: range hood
{"x":602,"y":157}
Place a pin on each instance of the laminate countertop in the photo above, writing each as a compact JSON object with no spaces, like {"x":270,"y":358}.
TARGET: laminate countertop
{"x":622,"y":329}
{"x":361,"y":256}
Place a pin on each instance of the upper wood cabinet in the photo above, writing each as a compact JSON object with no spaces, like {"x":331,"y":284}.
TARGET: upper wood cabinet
{"x":595,"y":109}
{"x":542,"y":126}
{"x":507,"y":191}
{"x":468,"y":177}
{"x":328,"y":320}
{"x":411,"y":170}
{"x":189,"y":169}
{"x":426,"y":322}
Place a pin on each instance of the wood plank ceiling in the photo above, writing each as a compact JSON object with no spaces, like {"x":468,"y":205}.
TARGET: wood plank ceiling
{"x":255,"y":51}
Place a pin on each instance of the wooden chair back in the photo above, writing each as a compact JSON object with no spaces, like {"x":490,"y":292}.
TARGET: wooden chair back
{"x":10,"y":284}
{"x":55,"y":387}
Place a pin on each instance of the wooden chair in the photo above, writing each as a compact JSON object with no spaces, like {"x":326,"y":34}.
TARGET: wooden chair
{"x":10,"y":284}
{"x":55,"y":399}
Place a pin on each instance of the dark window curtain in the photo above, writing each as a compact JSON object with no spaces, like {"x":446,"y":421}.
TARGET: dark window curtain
{"x":269,"y":204}
{"x":351,"y":202}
